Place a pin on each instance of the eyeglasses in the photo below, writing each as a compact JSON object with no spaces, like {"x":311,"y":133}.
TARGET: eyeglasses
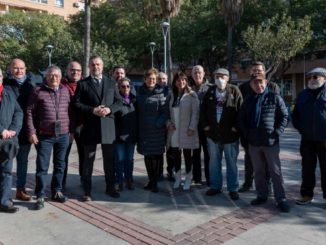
{"x":75,"y":70}
{"x":125,"y":86}
{"x":313,"y":77}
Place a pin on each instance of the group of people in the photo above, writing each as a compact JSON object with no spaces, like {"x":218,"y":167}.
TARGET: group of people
{"x":182,"y":119}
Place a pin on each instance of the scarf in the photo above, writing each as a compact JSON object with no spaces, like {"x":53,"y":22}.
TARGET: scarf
{"x":71,"y":86}
{"x":258,"y":100}
{"x":1,"y":91}
{"x":19,"y":81}
{"x":126,"y":98}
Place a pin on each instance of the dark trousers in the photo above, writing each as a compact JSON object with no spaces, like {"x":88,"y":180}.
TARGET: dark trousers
{"x":108,"y":165}
{"x":44,"y":148}
{"x":5,"y":182}
{"x":22,"y":163}
{"x":311,"y":151}
{"x":152,"y":163}
{"x":176,"y":154}
{"x":248,"y":169}
{"x":263,"y":158}
{"x":80,"y":151}
{"x":196,"y":173}
{"x":169,"y":162}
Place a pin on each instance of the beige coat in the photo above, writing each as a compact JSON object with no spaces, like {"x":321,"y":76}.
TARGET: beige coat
{"x":189,"y":116}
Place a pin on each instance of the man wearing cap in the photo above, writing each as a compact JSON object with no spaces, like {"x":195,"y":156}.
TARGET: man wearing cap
{"x":257,"y":68}
{"x":309,"y":119}
{"x":218,"y":117}
{"x":263,"y":118}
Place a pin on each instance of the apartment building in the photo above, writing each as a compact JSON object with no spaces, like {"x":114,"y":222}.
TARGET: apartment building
{"x":63,"y":8}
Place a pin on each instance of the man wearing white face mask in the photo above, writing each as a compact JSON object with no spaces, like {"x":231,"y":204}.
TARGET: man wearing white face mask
{"x":218,"y":116}
{"x":310,"y":120}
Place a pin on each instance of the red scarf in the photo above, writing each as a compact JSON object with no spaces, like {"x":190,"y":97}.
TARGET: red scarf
{"x":1,"y":90}
{"x":71,"y":86}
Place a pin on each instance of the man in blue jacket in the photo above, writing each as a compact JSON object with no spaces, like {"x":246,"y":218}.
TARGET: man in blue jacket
{"x":263,"y":118}
{"x":11,"y":117}
{"x":309,"y":118}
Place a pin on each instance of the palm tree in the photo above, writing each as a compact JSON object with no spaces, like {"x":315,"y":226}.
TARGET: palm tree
{"x":231,"y":11}
{"x":170,"y":8}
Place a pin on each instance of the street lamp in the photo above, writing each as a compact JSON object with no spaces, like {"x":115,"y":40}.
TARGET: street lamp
{"x":152,"y":47}
{"x":49,"y":49}
{"x":165,"y":28}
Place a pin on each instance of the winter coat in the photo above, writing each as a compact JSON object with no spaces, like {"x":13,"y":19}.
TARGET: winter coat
{"x":97,"y":130}
{"x":221,"y":131}
{"x":188,"y":119}
{"x":273,"y":120}
{"x":309,"y":115}
{"x":152,"y":117}
{"x":11,"y":115}
{"x":21,"y":93}
{"x":45,"y":107}
{"x":126,"y":121}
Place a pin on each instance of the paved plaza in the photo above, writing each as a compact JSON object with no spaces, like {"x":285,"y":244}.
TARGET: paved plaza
{"x":170,"y":216}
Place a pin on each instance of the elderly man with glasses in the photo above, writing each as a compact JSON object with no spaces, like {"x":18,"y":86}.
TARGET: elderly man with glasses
{"x":309,"y":118}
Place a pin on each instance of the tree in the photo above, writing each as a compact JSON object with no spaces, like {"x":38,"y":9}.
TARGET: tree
{"x":231,"y":10}
{"x":25,"y":35}
{"x":170,"y":8}
{"x":277,"y":40}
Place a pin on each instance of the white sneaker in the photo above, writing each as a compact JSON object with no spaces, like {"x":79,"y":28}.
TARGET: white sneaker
{"x":188,"y":181}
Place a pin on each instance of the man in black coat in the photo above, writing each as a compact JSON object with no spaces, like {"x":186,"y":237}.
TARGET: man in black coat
{"x":257,"y":68}
{"x":95,"y":98}
{"x":21,"y":85}
{"x":11,"y":117}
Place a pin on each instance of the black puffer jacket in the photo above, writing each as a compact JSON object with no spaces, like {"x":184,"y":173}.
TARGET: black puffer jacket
{"x":273,"y":120}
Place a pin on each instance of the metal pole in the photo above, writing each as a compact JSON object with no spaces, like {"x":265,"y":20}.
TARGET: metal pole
{"x":50,"y":58}
{"x":152,"y":48}
{"x":165,"y":28}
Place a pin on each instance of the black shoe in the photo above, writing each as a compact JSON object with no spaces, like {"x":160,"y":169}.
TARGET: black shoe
{"x":148,"y":186}
{"x":8,"y":209}
{"x":234,"y":195}
{"x":284,"y":206}
{"x":244,"y":188}
{"x":258,"y":201}
{"x":213,"y":192}
{"x":154,"y":188}
{"x":112,"y":193}
{"x":39,"y":203}
{"x":59,"y":197}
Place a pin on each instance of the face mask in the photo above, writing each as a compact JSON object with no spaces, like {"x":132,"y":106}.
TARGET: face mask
{"x":220,"y":83}
{"x":314,"y":84}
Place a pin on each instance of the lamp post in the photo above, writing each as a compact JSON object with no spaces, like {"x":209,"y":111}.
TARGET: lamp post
{"x":152,"y":47}
{"x":49,"y":49}
{"x":165,"y":28}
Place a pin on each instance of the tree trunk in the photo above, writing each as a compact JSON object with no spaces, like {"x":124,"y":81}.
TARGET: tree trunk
{"x":229,"y":49}
{"x":87,"y":37}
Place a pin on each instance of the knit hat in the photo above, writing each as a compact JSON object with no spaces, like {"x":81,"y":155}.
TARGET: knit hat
{"x":317,"y":72}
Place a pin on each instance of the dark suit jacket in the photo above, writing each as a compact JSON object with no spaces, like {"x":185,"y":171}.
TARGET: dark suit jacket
{"x":97,"y":129}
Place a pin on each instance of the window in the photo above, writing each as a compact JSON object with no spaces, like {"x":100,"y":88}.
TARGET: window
{"x":59,"y":3}
{"x":39,"y":1}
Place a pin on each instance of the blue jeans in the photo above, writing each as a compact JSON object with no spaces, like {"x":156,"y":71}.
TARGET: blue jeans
{"x":231,"y":152}
{"x":124,"y":161}
{"x":44,"y":148}
{"x":5,"y":182}
{"x":22,"y":162}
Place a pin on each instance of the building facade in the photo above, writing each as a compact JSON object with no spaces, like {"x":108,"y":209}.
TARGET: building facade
{"x":63,"y":8}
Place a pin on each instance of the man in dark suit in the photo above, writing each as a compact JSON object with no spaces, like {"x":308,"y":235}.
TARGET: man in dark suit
{"x":95,"y":99}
